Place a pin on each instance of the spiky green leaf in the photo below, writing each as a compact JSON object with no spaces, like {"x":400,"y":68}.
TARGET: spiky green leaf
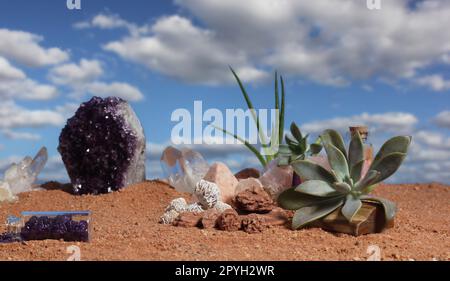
{"x":355,"y":171}
{"x":337,"y":162}
{"x":295,"y":131}
{"x":333,"y":137}
{"x":369,"y":179}
{"x":396,"y":144}
{"x":390,"y":209}
{"x":388,"y":165}
{"x":308,"y":170}
{"x":308,"y":214}
{"x":351,"y":207}
{"x":316,"y":188}
{"x":342,"y":187}
{"x":355,"y":150}
{"x":282,"y":109}
{"x":315,"y":148}
{"x":293,"y":200}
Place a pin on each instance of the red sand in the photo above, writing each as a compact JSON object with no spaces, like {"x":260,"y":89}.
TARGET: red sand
{"x":126,"y":228}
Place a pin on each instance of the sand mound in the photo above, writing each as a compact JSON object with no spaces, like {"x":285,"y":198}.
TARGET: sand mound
{"x":126,"y":228}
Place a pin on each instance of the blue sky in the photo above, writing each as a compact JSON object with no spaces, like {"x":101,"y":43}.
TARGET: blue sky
{"x":343,"y":64}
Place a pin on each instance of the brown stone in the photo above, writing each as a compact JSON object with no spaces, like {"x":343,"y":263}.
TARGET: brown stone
{"x":188,"y":219}
{"x":254,"y":200}
{"x":209,"y":219}
{"x":248,"y":183}
{"x":220,"y":174}
{"x":253,"y":223}
{"x":229,"y":221}
{"x":277,"y":216}
{"x":247,"y":173}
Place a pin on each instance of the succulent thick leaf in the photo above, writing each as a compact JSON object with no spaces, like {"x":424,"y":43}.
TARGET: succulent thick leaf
{"x":295,"y":131}
{"x":293,"y":200}
{"x":369,"y":179}
{"x":351,"y":207}
{"x":333,"y":137}
{"x":355,"y":171}
{"x":388,"y":165}
{"x":315,"y":148}
{"x":395,"y":144}
{"x":342,"y":187}
{"x":316,"y":188}
{"x":308,"y":170}
{"x":338,"y":162}
{"x":311,"y":213}
{"x":390,"y":209}
{"x":355,"y":150}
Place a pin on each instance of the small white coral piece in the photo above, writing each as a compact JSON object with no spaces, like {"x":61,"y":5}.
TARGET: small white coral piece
{"x":179,"y":205}
{"x":168,"y":217}
{"x":194,"y":207}
{"x":221,"y":206}
{"x":207,"y":193}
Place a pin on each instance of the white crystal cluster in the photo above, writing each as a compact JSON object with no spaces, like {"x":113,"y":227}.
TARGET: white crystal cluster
{"x":183,"y":168}
{"x":208,"y":197}
{"x":22,"y":176}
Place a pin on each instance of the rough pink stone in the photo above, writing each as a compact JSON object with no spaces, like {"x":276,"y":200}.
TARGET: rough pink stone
{"x":277,"y":179}
{"x":248,"y":183}
{"x":220,"y":174}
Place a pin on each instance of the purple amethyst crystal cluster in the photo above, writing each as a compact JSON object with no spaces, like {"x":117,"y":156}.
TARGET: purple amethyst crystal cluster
{"x":103,"y":146}
{"x":59,"y":227}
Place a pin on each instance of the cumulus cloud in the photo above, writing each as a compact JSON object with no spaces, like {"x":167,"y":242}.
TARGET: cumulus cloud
{"x":176,"y":42}
{"x":14,"y":135}
{"x":83,"y":78}
{"x":436,"y":82}
{"x":71,"y":73}
{"x":443,"y":119}
{"x":15,"y":84}
{"x":9,"y":72}
{"x":25,"y":48}
{"x":394,"y":122}
{"x":14,"y":116}
{"x":329,"y":42}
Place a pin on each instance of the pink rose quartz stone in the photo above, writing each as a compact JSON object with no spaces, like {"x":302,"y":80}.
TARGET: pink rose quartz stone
{"x":220,"y":174}
{"x":276,"y":179}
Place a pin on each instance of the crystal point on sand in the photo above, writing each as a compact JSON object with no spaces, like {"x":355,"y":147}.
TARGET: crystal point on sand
{"x":276,"y":178}
{"x":103,"y":146}
{"x":21,"y":177}
{"x":183,"y":168}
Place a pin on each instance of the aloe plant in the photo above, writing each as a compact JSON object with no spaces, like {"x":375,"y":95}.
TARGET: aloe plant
{"x":323,"y":191}
{"x":297,"y":147}
{"x":279,"y":125}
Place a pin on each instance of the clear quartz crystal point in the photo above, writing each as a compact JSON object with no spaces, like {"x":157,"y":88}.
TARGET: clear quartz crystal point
{"x":183,"y":168}
{"x":22,"y":176}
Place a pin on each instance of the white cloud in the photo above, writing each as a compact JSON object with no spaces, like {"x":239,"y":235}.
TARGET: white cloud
{"x":9,"y":72}
{"x":443,"y":119}
{"x":116,"y":89}
{"x":27,"y":89}
{"x":179,"y":49}
{"x":14,"y":135}
{"x":83,"y":78}
{"x":24,"y":48}
{"x":15,"y":84}
{"x":14,"y":116}
{"x":394,"y":122}
{"x":435,"y":82}
{"x":76,"y":74}
{"x":330,"y":42}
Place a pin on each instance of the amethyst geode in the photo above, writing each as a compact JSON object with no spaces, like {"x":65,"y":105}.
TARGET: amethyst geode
{"x":103,"y":146}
